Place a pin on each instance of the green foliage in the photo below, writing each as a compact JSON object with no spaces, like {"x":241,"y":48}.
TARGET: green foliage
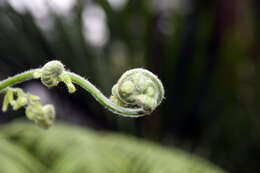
{"x":66,"y":149}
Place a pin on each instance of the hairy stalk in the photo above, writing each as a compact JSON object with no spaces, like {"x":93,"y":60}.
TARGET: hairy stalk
{"x":137,"y":93}
{"x":19,"y":78}
{"x":99,"y":96}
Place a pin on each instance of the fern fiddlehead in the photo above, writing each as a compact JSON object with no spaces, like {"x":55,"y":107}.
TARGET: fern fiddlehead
{"x":50,"y":73}
{"x":138,"y":88}
{"x":137,"y":93}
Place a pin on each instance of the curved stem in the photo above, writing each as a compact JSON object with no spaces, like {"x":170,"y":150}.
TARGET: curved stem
{"x":19,"y":78}
{"x":85,"y":84}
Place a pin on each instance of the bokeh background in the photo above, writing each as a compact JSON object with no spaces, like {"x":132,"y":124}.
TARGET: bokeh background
{"x":205,"y":52}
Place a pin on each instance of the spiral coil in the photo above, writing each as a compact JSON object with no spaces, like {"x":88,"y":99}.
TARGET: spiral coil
{"x":138,"y":88}
{"x":51,"y":72}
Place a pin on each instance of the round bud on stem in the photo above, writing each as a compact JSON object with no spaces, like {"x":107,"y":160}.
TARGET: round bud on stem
{"x":51,"y":72}
{"x":41,"y":115}
{"x":138,"y":88}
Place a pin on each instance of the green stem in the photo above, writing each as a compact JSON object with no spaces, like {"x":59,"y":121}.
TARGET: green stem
{"x":85,"y":84}
{"x":19,"y":78}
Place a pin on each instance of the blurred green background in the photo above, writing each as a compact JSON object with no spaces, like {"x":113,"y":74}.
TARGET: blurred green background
{"x":205,"y":52}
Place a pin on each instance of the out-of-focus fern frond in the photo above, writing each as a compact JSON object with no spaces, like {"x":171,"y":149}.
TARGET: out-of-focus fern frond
{"x":67,"y":149}
{"x":13,"y":159}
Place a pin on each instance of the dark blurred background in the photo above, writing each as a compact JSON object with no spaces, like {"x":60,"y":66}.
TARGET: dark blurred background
{"x":205,"y":52}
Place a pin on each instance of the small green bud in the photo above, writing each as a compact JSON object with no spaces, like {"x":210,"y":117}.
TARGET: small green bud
{"x":50,"y":73}
{"x":8,"y":99}
{"x":150,"y":91}
{"x":42,"y":116}
{"x":49,"y":117}
{"x":127,"y":88}
{"x":21,"y":99}
{"x":34,"y":112}
{"x":147,"y":102}
{"x":64,"y":77}
{"x":20,"y":102}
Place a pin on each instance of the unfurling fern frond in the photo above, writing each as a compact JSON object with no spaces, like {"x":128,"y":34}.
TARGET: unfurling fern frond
{"x":137,"y":93}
